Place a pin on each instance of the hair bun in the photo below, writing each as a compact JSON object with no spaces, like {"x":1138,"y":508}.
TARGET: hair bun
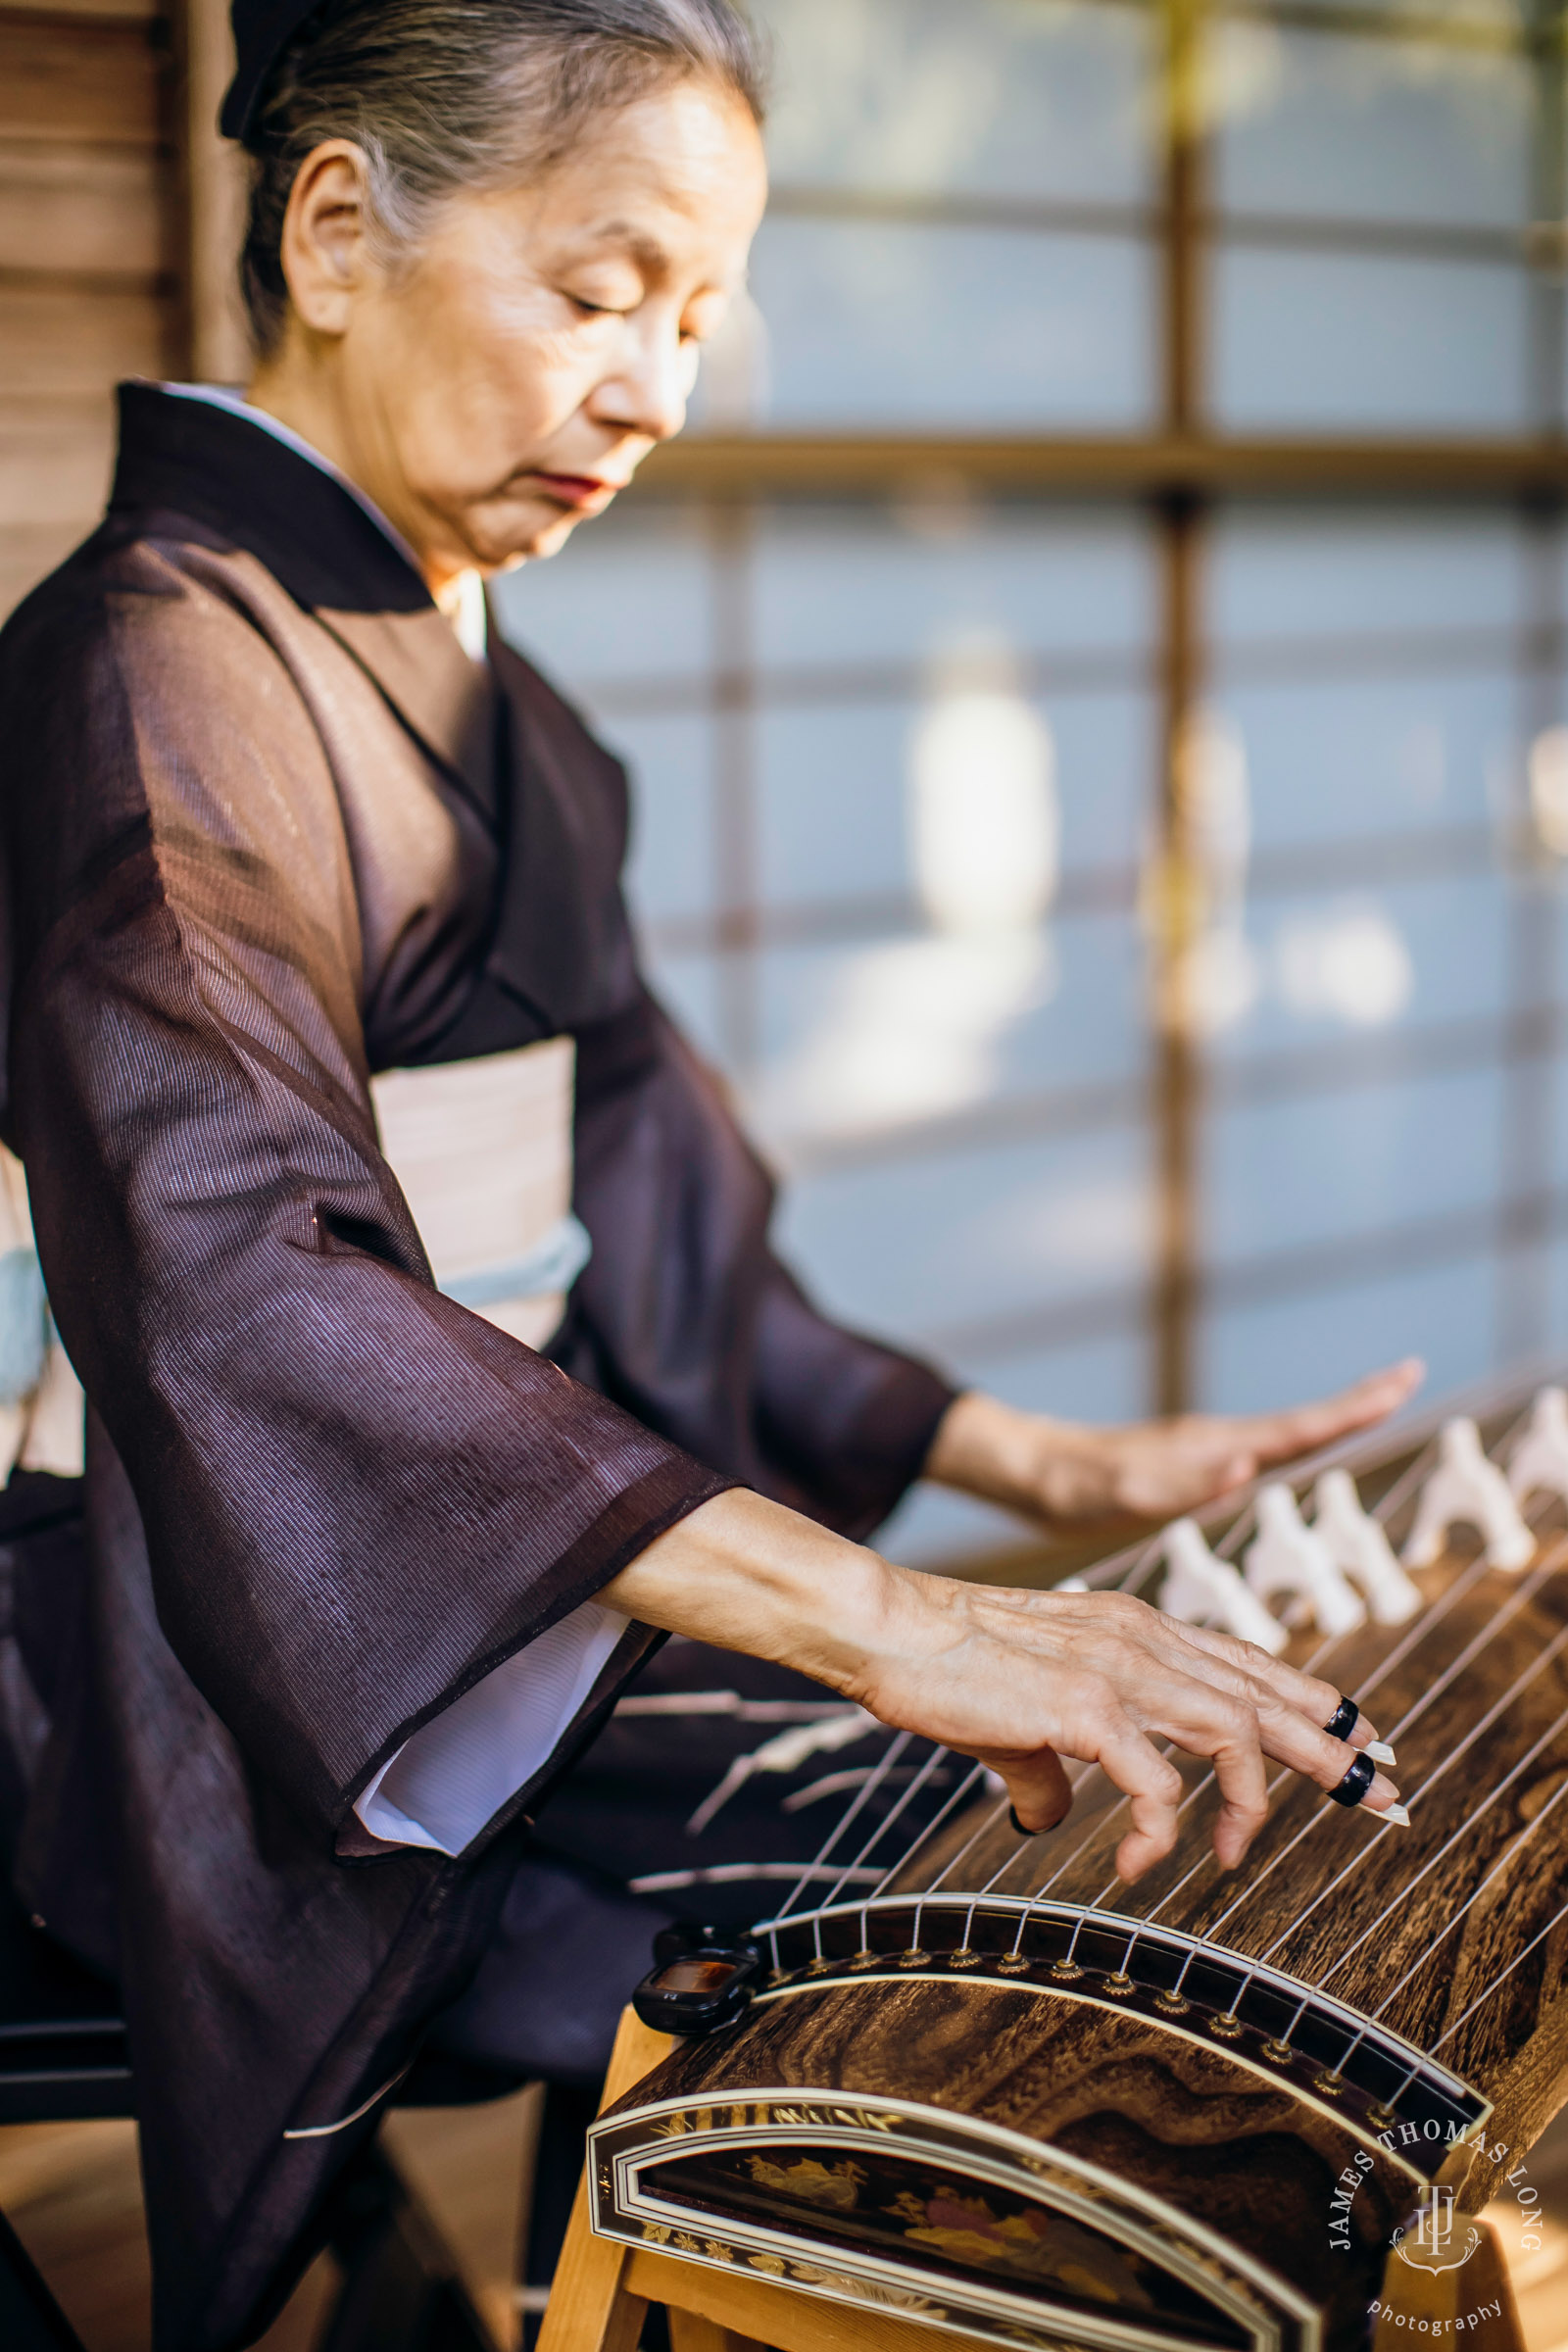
{"x":263,"y":30}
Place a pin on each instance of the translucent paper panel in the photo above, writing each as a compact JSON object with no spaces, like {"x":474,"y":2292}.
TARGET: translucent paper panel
{"x":935,"y":642}
{"x":1335,"y":757}
{"x":1329,"y":1168}
{"x":1352,"y":966}
{"x":917,"y":96}
{"x":692,"y":990}
{"x":846,"y":585}
{"x":860,"y":1041}
{"x":1368,"y":342}
{"x":934,"y":1244}
{"x":1357,"y":129}
{"x":883,"y":324}
{"x":1283,"y":1349}
{"x":671,"y":870}
{"x":628,"y":597}
{"x":1280,"y":573}
{"x":836,"y":783}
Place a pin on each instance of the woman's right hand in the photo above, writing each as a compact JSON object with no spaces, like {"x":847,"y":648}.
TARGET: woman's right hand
{"x":1016,"y":1680}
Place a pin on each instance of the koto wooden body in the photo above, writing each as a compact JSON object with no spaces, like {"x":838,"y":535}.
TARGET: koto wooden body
{"x":1015,"y":2100}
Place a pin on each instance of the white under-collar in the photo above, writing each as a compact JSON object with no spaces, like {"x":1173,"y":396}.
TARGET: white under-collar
{"x":465,"y":606}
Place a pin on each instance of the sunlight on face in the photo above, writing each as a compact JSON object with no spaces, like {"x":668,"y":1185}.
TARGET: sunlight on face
{"x":545,"y":339}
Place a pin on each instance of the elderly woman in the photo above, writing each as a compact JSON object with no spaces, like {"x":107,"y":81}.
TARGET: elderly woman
{"x":368,"y":1560}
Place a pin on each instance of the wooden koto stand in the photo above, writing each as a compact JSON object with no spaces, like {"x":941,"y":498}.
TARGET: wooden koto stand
{"x":601,"y":2290}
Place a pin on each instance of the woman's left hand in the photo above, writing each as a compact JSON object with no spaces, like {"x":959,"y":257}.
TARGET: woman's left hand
{"x":1068,"y":1472}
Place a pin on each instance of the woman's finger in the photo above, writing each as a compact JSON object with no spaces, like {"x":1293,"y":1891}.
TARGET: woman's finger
{"x":1153,"y":1786}
{"x":1291,"y":1732}
{"x":1277,"y":1437}
{"x":1308,"y":1693}
{"x":1038,"y":1789}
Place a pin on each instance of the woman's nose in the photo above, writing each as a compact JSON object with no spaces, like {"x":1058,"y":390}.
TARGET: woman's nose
{"x":648,"y":394}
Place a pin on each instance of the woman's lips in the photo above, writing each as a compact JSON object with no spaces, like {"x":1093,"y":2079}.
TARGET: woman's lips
{"x":576,"y":489}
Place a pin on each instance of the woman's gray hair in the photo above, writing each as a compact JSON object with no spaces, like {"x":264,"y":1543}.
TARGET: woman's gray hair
{"x":444,"y":95}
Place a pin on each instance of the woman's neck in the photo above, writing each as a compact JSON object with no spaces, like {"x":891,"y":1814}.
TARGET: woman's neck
{"x":305,"y":398}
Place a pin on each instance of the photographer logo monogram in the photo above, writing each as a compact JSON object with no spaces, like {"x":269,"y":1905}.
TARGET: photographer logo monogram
{"x":1435,"y":2237}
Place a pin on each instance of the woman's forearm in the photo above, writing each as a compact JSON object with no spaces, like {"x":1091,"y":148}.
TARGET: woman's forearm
{"x":1016,"y":1680}
{"x":747,"y":1574}
{"x":1069,"y":1473}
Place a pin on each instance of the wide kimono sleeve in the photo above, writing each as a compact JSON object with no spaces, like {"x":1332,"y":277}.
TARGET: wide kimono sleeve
{"x":685,"y":1313}
{"x":689,"y":1317}
{"x":359,"y":1497}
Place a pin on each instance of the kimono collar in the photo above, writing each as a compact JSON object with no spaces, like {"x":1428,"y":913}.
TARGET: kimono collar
{"x":325,"y":546}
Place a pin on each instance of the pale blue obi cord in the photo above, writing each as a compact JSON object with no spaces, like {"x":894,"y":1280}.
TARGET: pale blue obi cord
{"x":554,"y":1263}
{"x":26,"y":1325}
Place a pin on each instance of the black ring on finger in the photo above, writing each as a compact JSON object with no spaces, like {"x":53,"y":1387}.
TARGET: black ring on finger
{"x":1356,"y":1784}
{"x":1344,"y":1719}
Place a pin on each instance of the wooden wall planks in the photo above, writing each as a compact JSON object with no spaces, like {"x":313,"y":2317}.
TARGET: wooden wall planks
{"x":90,"y":238}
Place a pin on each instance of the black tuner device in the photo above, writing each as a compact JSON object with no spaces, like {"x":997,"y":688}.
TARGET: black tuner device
{"x":702,"y":1980}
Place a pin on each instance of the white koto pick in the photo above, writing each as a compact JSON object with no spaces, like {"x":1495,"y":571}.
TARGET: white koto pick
{"x":1360,"y":1549}
{"x":1201,"y":1590}
{"x":1541,"y":1459}
{"x":1286,"y":1556}
{"x":1465,"y":1488}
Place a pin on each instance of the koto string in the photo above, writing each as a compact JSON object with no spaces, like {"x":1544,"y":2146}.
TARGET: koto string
{"x":969,"y":1843}
{"x":976,"y":1771}
{"x":882,"y":1828}
{"x":1138,"y":1563}
{"x":1430,"y":1616}
{"x":1440,"y":1608}
{"x":1449,"y":1675}
{"x":1476,"y":1732}
{"x":890,"y":1758}
{"x":1485,"y":1806}
{"x":1487,"y":1993}
{"x":1388,"y":1912}
{"x":1521,"y":1837}
{"x":1143,"y":1557}
{"x":1021,"y":1847}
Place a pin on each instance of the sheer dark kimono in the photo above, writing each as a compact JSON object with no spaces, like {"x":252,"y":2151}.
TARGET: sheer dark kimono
{"x":267,"y":830}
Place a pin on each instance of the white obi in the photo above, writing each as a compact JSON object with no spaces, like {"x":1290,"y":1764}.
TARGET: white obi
{"x":482,"y":1151}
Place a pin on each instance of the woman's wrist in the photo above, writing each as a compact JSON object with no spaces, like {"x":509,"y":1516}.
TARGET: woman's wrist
{"x":747,"y":1574}
{"x":985,"y":1448}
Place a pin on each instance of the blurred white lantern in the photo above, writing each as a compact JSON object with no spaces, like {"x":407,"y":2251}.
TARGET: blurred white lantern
{"x":984,"y":817}
{"x":1549,"y":789}
{"x":1352,"y":964}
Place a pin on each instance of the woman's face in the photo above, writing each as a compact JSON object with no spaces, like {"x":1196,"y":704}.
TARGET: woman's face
{"x":507,"y":383}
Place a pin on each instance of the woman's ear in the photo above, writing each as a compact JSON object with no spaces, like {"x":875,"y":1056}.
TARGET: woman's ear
{"x":324,"y":249}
